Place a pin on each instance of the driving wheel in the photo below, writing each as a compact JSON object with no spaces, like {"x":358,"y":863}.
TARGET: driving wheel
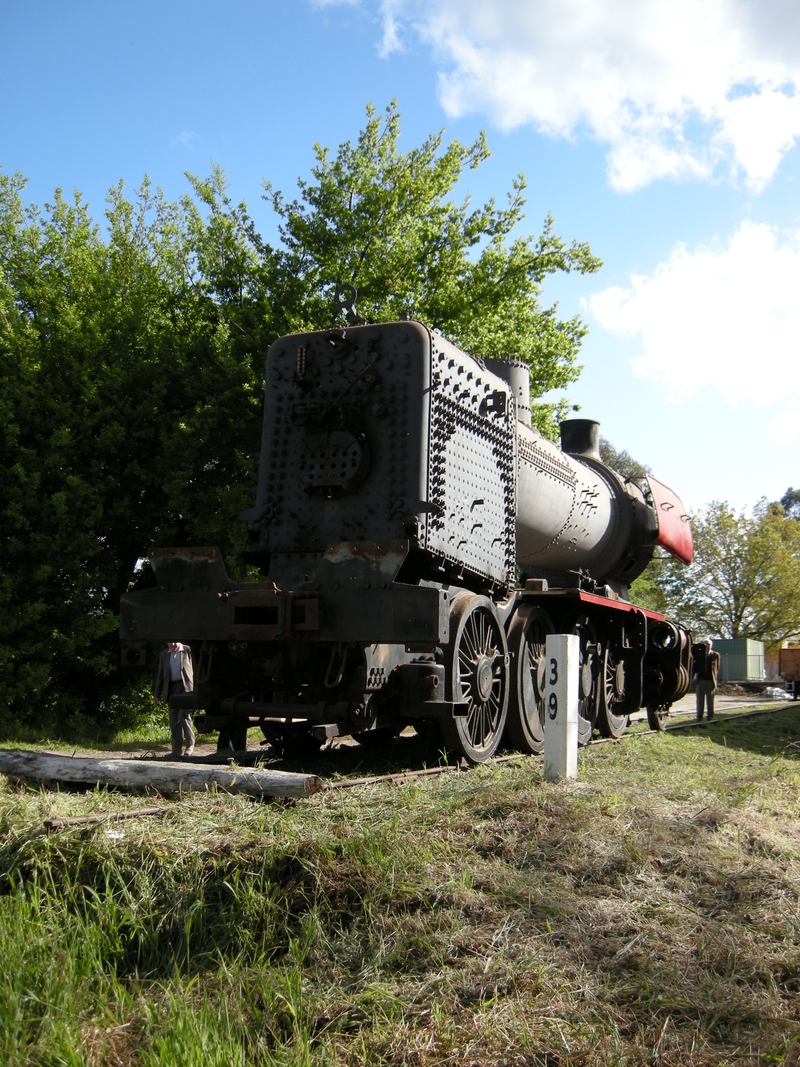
{"x":527,"y":636}
{"x":612,"y":695}
{"x":477,"y":667}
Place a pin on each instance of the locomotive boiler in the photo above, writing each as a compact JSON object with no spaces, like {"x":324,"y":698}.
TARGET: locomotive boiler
{"x":417,"y":540}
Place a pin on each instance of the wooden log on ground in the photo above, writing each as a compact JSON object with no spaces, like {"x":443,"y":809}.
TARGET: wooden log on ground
{"x":151,"y":774}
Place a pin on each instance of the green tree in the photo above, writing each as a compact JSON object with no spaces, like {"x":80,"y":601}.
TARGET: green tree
{"x":624,"y":464}
{"x":790,"y":502}
{"x":384,"y":222}
{"x":126,"y":412}
{"x":647,"y":590}
{"x":131,"y":363}
{"x":745,"y":579}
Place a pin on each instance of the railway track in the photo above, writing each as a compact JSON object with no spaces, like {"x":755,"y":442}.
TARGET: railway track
{"x":686,"y":721}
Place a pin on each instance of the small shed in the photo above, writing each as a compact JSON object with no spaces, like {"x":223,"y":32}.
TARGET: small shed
{"x":741,"y":659}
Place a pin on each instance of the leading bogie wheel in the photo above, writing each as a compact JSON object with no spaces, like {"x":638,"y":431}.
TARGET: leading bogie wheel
{"x":657,"y":717}
{"x":527,"y":636}
{"x":477,"y":668}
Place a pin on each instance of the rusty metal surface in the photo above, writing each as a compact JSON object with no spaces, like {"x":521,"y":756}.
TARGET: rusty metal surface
{"x":789,"y":664}
{"x":362,"y":564}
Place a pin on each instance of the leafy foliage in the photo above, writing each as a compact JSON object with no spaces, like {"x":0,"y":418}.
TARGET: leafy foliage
{"x":381,"y":221}
{"x":745,"y":579}
{"x":647,"y":590}
{"x":131,"y":361}
{"x":126,"y":406}
{"x":790,"y":502}
{"x":623,"y":463}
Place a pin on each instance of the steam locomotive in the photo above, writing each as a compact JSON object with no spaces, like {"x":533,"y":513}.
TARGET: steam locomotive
{"x":418,"y":539}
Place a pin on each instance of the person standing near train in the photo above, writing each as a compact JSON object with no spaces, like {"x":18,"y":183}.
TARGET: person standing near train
{"x":175,"y":675}
{"x":706,"y":679}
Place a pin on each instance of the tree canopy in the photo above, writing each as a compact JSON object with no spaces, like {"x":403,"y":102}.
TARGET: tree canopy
{"x":790,"y":502}
{"x":383,"y":221}
{"x":624,"y":463}
{"x":745,"y":579}
{"x":127,"y":412}
{"x":132,"y":353}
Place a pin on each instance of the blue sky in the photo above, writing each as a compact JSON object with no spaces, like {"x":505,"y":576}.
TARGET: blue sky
{"x":660,"y":131}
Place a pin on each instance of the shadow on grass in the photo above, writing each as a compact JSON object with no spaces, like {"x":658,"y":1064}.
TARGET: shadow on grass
{"x":772,"y":734}
{"x":350,"y":759}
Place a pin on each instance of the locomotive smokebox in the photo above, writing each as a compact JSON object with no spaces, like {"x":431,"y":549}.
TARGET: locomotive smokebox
{"x":581,"y":437}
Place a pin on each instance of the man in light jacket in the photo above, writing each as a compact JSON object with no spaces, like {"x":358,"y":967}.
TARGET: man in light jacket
{"x":174,"y":675}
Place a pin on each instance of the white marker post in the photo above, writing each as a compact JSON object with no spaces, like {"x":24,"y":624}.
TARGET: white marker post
{"x":561,"y":707}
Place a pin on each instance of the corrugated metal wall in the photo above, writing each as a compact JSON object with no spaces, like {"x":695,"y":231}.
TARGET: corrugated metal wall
{"x":741,"y":660}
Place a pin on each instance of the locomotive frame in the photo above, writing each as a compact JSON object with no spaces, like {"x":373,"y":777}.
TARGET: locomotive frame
{"x":418,"y":540}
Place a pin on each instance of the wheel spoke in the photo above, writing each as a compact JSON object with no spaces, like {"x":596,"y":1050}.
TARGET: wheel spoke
{"x":471,"y":647}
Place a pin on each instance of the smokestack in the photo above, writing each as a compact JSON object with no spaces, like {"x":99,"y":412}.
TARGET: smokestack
{"x":581,"y":437}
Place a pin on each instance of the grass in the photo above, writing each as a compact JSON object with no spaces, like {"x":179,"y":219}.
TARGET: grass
{"x":646,"y":913}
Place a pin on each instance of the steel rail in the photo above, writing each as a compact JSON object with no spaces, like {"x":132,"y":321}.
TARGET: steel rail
{"x":402,"y":777}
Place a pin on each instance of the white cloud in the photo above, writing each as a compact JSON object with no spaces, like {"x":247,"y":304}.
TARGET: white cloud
{"x":673,"y":87}
{"x":185,"y":139}
{"x":786,"y":428}
{"x":390,"y":41}
{"x":719,"y":320}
